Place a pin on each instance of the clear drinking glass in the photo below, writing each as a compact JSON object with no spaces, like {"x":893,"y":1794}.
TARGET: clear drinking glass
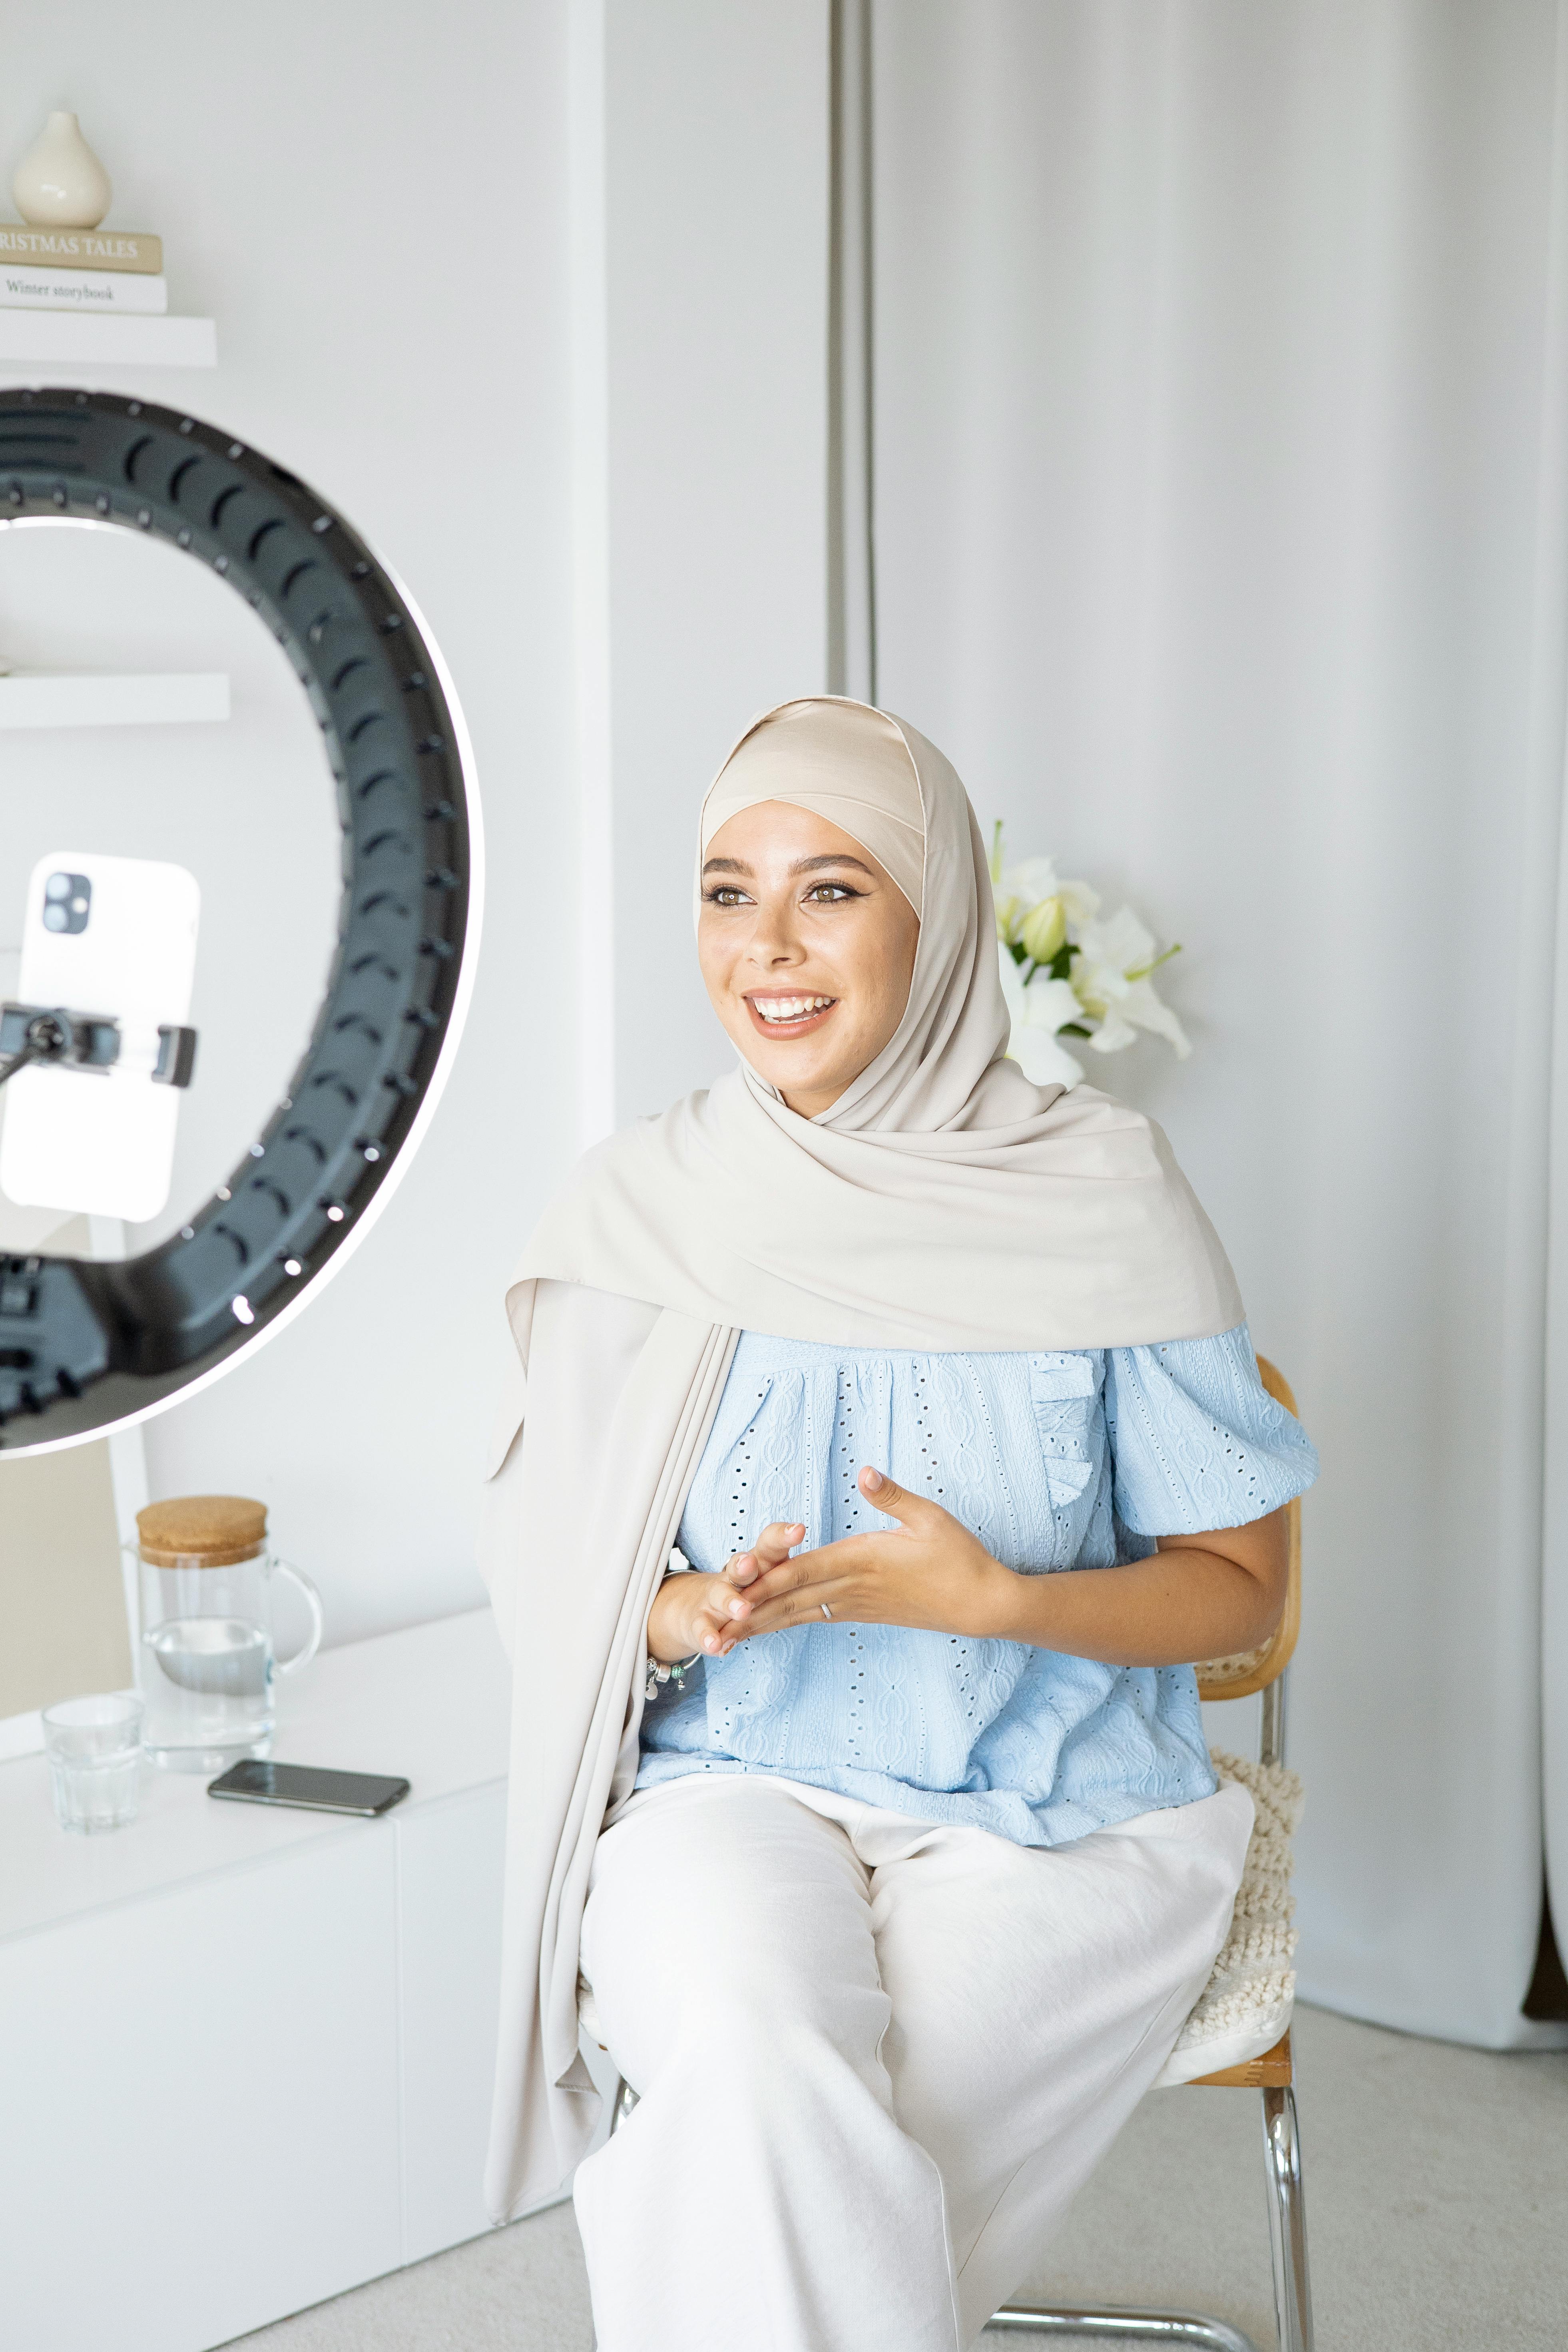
{"x":94,"y":1747}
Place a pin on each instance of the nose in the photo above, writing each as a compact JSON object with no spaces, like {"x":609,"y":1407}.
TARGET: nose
{"x":774,"y":941}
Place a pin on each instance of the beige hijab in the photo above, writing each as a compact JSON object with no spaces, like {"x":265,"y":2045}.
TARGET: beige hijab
{"x":942,"y":1203}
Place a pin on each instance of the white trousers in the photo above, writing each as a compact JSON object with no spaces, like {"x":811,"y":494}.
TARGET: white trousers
{"x":875,"y":2059}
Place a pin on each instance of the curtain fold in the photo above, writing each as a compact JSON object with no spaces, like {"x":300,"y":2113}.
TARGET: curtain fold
{"x":1220,"y":424}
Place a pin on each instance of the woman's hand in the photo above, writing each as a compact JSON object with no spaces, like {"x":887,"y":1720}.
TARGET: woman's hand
{"x":928,"y":1571}
{"x":692,"y":1613}
{"x":1199,"y":1596}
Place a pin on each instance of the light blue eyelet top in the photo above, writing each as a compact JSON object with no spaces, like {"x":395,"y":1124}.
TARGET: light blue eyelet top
{"x":1057,"y":1461}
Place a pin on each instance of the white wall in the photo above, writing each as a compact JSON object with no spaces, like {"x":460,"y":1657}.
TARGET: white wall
{"x":373,"y":205}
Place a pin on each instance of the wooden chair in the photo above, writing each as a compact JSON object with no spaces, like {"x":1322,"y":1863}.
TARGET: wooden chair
{"x":1259,"y":1670}
{"x":1273,"y":2073}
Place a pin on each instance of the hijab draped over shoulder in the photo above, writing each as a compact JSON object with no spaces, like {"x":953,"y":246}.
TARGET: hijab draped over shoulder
{"x":942,"y":1203}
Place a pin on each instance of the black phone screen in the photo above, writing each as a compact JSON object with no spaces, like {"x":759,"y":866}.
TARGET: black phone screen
{"x":256,"y":1780}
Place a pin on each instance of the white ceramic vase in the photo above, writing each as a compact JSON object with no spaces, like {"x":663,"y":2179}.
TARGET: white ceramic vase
{"x":59,"y":182}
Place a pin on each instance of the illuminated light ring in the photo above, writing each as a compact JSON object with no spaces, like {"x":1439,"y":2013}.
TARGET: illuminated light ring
{"x":89,"y":1347}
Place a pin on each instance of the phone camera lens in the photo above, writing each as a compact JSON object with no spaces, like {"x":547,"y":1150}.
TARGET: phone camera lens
{"x":68,"y":902}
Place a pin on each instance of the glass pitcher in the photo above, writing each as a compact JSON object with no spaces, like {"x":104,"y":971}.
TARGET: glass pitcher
{"x":206,"y":1663}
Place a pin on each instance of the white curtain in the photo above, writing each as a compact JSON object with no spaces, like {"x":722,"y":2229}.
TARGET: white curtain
{"x":1220,"y":417}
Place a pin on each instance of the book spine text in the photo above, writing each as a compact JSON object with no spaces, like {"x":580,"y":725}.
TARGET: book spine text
{"x":81,"y":248}
{"x":82,"y":289}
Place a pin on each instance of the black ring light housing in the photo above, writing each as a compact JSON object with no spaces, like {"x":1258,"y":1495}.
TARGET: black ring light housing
{"x":85,"y":1345}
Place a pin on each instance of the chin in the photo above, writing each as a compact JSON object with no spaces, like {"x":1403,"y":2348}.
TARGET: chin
{"x":780,"y":1071}
{"x":781,"y":1068}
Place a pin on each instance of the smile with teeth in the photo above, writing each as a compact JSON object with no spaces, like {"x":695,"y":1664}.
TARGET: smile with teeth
{"x":784,"y":1011}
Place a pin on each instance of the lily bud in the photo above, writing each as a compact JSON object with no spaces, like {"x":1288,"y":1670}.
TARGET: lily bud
{"x":1008,"y":911}
{"x":1044,"y":929}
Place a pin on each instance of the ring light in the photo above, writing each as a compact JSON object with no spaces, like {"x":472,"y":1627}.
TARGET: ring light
{"x":85,"y":1346}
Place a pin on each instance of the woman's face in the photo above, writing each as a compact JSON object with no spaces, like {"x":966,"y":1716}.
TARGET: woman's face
{"x":807,"y":949}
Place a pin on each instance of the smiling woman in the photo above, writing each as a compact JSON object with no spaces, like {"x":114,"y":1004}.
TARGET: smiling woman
{"x":836,"y":1776}
{"x":807,"y":946}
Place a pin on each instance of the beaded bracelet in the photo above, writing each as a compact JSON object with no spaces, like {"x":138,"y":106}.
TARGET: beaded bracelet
{"x":657,"y":1673}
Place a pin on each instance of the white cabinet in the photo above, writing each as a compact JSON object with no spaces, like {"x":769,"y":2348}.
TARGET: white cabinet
{"x":449,"y":1886}
{"x":245,"y":2054}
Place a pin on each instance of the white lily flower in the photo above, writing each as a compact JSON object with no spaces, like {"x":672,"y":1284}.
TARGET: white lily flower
{"x":1110,"y":992}
{"x":1050,"y":1005}
{"x":1144,"y":1008}
{"x":1044,"y":929}
{"x":1038,"y":1010}
{"x":1120,"y":945}
{"x":1015,"y":896}
{"x":1023,"y":886}
{"x":1081,"y":903}
{"x":1110,"y":980}
{"x":1031,"y":879}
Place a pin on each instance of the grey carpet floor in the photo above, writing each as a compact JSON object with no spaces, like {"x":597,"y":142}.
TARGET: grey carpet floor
{"x":1436,"y":2200}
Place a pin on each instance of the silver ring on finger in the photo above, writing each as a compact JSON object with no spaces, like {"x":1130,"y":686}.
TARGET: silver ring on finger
{"x":826,"y":1609}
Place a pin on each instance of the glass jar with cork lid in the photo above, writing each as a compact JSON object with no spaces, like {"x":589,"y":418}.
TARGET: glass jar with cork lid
{"x":206,"y":1661}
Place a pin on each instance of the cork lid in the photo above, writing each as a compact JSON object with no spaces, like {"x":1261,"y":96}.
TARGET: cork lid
{"x":207,"y":1531}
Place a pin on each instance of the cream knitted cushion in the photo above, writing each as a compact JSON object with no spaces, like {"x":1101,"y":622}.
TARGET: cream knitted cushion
{"x":1245,"y":2005}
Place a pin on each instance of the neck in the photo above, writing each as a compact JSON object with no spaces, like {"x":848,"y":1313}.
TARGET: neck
{"x":810,"y":1106}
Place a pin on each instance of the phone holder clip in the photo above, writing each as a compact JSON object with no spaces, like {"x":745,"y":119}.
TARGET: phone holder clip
{"x":45,"y":1035}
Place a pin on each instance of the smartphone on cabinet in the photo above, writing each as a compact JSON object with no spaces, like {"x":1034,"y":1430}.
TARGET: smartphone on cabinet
{"x":256,"y":1780}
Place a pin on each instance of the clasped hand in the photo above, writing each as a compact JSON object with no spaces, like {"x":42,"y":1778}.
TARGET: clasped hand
{"x":926,"y":1571}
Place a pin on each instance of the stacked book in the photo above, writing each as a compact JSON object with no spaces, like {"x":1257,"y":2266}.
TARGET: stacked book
{"x":93,"y":270}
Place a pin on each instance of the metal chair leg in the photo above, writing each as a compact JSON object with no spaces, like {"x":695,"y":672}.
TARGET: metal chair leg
{"x":1287,"y":2220}
{"x":1128,"y":2327}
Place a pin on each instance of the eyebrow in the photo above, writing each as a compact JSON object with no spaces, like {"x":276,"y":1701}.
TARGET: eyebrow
{"x":801,"y":866}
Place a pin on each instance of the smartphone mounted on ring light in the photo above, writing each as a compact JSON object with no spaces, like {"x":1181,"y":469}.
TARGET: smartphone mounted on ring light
{"x":109,"y":956}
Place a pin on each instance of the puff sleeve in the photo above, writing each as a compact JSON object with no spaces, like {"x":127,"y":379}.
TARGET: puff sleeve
{"x":1196,"y":1440}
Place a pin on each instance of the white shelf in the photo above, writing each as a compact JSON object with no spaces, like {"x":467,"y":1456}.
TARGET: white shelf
{"x":50,"y":338}
{"x":134,"y":699}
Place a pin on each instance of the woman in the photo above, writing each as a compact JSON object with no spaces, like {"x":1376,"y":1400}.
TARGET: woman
{"x":892,"y":1865}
